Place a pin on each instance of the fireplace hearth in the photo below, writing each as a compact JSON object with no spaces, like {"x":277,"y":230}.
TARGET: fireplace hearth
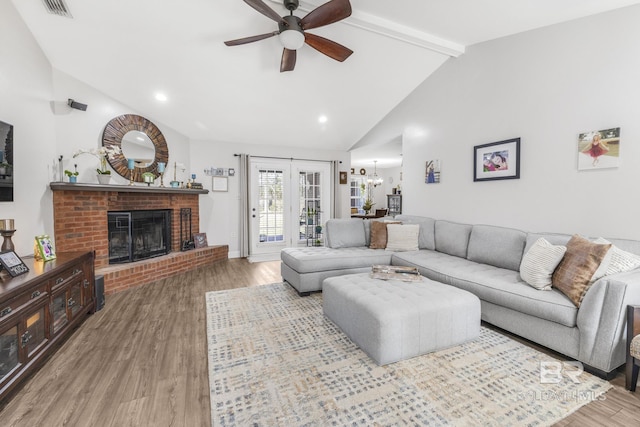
{"x":139,"y":234}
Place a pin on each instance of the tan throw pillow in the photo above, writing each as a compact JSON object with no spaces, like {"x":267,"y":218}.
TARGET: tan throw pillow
{"x":573,"y":275}
{"x":379,"y":234}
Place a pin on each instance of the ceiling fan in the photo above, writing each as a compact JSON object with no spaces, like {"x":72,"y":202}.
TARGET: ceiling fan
{"x":292,"y":30}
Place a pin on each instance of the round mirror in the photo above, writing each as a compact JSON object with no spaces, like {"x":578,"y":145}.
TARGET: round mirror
{"x":138,"y":146}
{"x":139,"y":139}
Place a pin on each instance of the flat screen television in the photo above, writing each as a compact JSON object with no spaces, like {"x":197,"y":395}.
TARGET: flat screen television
{"x":6,"y":162}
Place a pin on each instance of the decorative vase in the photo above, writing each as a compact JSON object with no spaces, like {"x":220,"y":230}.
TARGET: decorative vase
{"x":104,"y":178}
{"x":73,"y":179}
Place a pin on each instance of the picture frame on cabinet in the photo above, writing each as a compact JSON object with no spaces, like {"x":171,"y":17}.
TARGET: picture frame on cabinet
{"x":43,"y":248}
{"x":497,"y":160}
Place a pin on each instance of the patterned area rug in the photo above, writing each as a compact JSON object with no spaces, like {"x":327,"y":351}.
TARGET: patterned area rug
{"x":275,"y":360}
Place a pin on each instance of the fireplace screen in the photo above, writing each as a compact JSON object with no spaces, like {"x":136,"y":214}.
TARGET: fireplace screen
{"x":137,"y":235}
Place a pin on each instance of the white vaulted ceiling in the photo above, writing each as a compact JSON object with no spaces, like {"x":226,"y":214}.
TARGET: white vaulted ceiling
{"x":132,"y":49}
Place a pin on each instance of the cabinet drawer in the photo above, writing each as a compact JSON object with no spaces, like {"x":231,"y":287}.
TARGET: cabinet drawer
{"x":14,"y":305}
{"x":65,"y":276}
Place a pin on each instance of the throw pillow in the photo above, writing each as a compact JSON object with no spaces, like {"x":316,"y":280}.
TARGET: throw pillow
{"x":539,"y":262}
{"x":402,"y":237}
{"x":573,"y":275}
{"x":379,"y":234}
{"x":620,"y":260}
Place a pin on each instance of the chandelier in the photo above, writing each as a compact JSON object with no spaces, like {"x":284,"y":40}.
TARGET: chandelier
{"x":374,"y":179}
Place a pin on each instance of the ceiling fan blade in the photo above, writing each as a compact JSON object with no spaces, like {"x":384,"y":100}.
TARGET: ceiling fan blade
{"x":251,"y":39}
{"x":328,"y":13}
{"x":264,"y":9}
{"x":328,"y":47}
{"x":288,"y":62}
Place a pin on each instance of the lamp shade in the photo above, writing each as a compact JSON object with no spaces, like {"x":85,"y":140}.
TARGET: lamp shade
{"x":292,"y":39}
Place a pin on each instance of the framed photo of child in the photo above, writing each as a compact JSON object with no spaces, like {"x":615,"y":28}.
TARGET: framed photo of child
{"x":599,"y":149}
{"x":497,"y":160}
{"x":44,"y":248}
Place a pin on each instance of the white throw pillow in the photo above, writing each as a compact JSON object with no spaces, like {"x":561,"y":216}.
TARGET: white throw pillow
{"x":539,"y":263}
{"x":618,"y":261}
{"x":402,"y":237}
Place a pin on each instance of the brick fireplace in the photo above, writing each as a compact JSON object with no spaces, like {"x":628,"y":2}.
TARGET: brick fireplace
{"x":81,"y":224}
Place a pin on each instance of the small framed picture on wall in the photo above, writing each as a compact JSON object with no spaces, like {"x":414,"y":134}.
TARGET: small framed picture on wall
{"x":343,"y":177}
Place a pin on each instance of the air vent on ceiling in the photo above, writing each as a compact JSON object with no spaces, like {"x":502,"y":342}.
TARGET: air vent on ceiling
{"x":57,"y":7}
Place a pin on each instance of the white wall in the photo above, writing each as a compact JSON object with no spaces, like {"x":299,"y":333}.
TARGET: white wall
{"x":545,"y":86}
{"x":33,"y":99}
{"x":220,"y":211}
{"x":25,"y":92}
{"x":83,"y":129}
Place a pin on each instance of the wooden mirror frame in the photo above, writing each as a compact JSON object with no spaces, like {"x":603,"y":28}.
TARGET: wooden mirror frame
{"x":112,"y":136}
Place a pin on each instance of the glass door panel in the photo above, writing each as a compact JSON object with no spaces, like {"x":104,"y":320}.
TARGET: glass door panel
{"x":75,"y":299}
{"x":59,"y":311}
{"x":8,"y":352}
{"x":271,"y":205}
{"x":34,"y":336}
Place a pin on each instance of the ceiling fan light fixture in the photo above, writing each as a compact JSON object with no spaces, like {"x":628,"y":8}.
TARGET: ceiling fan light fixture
{"x":292,"y":39}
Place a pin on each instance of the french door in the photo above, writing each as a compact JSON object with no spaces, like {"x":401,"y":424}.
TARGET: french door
{"x":289,"y":202}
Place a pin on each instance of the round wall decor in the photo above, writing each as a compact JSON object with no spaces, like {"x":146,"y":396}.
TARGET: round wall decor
{"x":363,"y":171}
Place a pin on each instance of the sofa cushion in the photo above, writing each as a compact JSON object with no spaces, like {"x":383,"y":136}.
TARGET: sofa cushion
{"x":314,"y":259}
{"x":496,"y":285}
{"x":573,"y":276}
{"x":345,"y":233}
{"x":539,"y":263}
{"x":553,"y":238}
{"x":426,"y":238}
{"x":497,"y":246}
{"x":402,"y":237}
{"x":452,"y":238}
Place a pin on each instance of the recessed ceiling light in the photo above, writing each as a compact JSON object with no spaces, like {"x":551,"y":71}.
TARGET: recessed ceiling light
{"x":161,"y":97}
{"x":323,"y":119}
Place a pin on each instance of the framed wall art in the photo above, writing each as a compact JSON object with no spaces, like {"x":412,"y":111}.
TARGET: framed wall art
{"x":599,"y":149}
{"x":497,"y":160}
{"x":343,"y":177}
{"x":432,"y":173}
{"x":220,"y":183}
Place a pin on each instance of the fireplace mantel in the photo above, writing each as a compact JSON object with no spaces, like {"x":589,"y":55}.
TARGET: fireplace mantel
{"x":65,"y":186}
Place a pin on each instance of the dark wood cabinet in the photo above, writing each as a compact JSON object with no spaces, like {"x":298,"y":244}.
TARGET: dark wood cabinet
{"x":394,"y":204}
{"x":39,"y":309}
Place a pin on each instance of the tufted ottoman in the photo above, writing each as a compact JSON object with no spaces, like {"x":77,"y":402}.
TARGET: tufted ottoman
{"x":391,"y":320}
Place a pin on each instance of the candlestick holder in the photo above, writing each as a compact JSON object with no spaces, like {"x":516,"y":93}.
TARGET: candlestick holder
{"x":131,"y":166}
{"x":161,"y":169}
{"x":7,"y":244}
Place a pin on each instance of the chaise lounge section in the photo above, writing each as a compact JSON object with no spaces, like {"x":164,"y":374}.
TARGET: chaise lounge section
{"x":485,"y":260}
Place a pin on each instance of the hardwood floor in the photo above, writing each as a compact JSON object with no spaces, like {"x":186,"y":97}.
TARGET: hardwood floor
{"x":141,"y":361}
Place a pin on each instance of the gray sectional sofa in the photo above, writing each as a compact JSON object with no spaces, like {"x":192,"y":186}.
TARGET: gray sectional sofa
{"x":485,"y":260}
